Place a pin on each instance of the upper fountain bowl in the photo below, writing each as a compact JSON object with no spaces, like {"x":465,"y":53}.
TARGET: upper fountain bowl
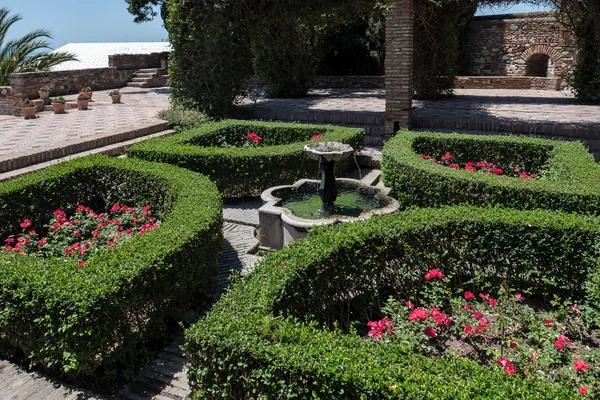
{"x":329,"y":151}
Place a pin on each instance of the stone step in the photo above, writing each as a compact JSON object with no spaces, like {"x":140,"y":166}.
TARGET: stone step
{"x":149,"y":70}
{"x":141,"y":79}
{"x":137,"y":84}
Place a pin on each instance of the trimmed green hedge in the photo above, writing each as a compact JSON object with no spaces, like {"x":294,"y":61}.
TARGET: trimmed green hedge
{"x":569,"y":179}
{"x":273,"y":334}
{"x":85,"y":321}
{"x":246,"y":171}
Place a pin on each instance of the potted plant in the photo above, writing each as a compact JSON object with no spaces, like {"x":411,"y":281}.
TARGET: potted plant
{"x":83,"y":100}
{"x":58,"y":105}
{"x":28,"y":108}
{"x":87,"y":91}
{"x":115,"y":95}
{"x":44,"y":93}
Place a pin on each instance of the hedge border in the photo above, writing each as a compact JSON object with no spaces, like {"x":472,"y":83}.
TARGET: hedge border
{"x":240,"y":172}
{"x":252,"y":344}
{"x":61,"y":316}
{"x":569,"y":181}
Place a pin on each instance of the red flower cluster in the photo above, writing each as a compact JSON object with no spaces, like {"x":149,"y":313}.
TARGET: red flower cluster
{"x":434,"y":273}
{"x":316,"y":137}
{"x":378,"y":328}
{"x":481,"y":166}
{"x":509,"y":368}
{"x":83,"y":233}
{"x":254,"y":138}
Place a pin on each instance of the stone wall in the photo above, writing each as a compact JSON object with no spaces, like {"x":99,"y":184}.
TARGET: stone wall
{"x":507,"y":82}
{"x":138,"y":61}
{"x":348,"y":82}
{"x":67,"y":82}
{"x":6,"y":100}
{"x":502,"y":45}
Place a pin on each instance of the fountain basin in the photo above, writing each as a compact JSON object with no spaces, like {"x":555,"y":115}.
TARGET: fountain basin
{"x":279,"y":225}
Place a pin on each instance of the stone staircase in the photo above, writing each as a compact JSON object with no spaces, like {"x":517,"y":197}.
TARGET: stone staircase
{"x":148,"y":78}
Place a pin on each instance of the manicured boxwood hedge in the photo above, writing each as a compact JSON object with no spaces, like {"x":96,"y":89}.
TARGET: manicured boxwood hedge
{"x":82,"y":321}
{"x":272,"y":336}
{"x":569,"y":179}
{"x":243,"y":171}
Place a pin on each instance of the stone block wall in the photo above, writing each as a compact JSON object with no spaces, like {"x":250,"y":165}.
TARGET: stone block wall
{"x":6,"y":100}
{"x":499,"y":45}
{"x":67,"y":82}
{"x":507,"y":82}
{"x":138,"y":61}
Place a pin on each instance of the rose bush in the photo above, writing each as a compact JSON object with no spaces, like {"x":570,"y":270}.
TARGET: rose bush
{"x":566,"y":175}
{"x":93,"y":323}
{"x":297,"y":327}
{"x":498,"y":332}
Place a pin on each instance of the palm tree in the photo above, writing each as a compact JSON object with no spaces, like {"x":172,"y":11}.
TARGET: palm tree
{"x":23,"y":54}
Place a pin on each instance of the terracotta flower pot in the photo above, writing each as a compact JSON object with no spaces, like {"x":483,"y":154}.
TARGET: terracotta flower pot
{"x":116,"y":98}
{"x":82,"y":104}
{"x":59,"y":108}
{"x":29,"y":112}
{"x":45,"y":96}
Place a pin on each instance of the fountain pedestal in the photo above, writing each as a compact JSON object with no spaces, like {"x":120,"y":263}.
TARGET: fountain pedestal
{"x":328,"y":190}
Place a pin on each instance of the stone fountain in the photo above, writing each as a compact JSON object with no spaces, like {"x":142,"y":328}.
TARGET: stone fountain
{"x":289,"y":211}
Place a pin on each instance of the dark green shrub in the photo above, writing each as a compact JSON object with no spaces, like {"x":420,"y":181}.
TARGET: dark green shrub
{"x":274,"y":335}
{"x":93,"y":320}
{"x":181,"y":119}
{"x":244,"y":171}
{"x":569,"y":179}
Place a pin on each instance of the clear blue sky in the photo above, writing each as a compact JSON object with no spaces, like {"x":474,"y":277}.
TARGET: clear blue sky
{"x":78,"y":21}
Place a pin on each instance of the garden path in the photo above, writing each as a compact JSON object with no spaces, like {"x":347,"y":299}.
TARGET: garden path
{"x":24,"y":143}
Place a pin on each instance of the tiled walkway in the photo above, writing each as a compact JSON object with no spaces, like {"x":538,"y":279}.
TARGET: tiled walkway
{"x":26,"y":142}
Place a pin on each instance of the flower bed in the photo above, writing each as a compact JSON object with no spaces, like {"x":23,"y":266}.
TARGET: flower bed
{"x":241,"y":166}
{"x":566,"y":176}
{"x":84,"y":320}
{"x":293,"y":328}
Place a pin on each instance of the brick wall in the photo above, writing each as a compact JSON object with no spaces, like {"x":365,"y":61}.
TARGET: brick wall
{"x":399,"y":39}
{"x":67,"y":82}
{"x":138,"y":61}
{"x":507,"y":82}
{"x":502,"y":44}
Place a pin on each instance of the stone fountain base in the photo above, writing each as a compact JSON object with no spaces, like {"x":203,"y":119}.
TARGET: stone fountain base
{"x":279,"y":227}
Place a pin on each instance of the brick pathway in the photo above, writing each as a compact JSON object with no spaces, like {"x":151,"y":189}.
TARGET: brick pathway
{"x":519,"y":111}
{"x":27,"y":142}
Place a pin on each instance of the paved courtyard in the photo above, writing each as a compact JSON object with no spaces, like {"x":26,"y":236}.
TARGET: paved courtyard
{"x":50,"y":136}
{"x":520,"y":111}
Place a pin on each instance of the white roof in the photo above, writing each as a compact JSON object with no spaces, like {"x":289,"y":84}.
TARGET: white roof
{"x":95,"y":55}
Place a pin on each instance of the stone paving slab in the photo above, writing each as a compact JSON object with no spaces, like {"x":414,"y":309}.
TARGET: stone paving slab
{"x":50,"y":136}
{"x":17,"y":384}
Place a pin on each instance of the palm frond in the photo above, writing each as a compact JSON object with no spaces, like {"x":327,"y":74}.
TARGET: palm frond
{"x":43,"y":62}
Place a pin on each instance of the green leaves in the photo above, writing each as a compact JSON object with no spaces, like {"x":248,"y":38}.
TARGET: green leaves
{"x":285,"y":331}
{"x":568,"y":174}
{"x":69,"y":318}
{"x":240,"y":171}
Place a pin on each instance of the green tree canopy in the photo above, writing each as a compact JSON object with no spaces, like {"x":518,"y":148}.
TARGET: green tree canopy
{"x":145,"y":10}
{"x":25,"y":54}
